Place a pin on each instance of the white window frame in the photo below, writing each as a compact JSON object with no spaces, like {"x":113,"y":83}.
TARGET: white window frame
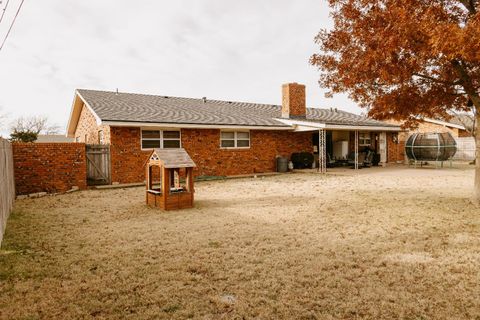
{"x":362,"y":138}
{"x":161,"y":137}
{"x":235,"y":139}
{"x":101,"y":138}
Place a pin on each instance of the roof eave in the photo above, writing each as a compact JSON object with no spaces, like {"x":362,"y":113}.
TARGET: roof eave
{"x":73,"y":118}
{"x":444,"y":123}
{"x":301,"y":126}
{"x":77,"y":104}
{"x":363,"y":127}
{"x":114,"y":123}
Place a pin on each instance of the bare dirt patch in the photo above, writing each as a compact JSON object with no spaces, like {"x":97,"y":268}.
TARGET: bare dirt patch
{"x":383,"y":244}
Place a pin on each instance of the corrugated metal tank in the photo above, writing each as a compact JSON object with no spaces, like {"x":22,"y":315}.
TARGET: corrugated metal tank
{"x":431,"y":146}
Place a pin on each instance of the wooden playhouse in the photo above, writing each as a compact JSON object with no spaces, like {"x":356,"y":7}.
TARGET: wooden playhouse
{"x":169,"y":179}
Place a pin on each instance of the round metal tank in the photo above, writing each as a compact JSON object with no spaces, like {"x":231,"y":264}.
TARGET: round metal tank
{"x":430,"y":146}
{"x":282,"y":164}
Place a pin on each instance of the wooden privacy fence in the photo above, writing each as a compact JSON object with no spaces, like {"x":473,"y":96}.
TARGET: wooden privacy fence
{"x":7,"y":184}
{"x":465,"y":149}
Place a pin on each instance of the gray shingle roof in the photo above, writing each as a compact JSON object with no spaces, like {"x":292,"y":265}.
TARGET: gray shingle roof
{"x":132,"y":107}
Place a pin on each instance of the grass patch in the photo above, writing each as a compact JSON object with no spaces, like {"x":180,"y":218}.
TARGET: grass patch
{"x":380,"y":244}
{"x":171,"y":308}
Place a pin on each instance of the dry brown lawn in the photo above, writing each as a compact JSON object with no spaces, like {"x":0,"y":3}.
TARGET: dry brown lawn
{"x":383,"y":244}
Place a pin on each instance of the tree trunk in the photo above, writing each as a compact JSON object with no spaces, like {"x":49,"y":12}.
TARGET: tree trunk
{"x":477,"y":156}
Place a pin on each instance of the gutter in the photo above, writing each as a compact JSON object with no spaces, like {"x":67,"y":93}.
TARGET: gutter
{"x":300,"y":125}
{"x":189,"y":125}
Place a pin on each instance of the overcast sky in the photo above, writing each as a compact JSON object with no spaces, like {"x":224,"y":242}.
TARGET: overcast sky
{"x":233,"y":50}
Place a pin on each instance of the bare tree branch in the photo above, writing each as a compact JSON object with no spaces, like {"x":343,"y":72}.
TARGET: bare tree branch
{"x":53,"y":129}
{"x":3,"y":121}
{"x":470,"y":5}
{"x":34,"y":124}
{"x":436,"y":80}
{"x":469,"y":124}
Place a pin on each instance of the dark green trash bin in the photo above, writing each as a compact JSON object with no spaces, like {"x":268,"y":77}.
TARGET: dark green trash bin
{"x":282,"y":164}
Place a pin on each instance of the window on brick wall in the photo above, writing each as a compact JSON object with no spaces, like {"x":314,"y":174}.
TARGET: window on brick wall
{"x":164,"y":139}
{"x":100,"y":137}
{"x":364,"y":139}
{"x":235,"y":139}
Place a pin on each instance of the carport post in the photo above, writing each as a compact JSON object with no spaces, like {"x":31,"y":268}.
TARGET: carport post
{"x":356,"y":149}
{"x":383,"y":148}
{"x":322,"y":152}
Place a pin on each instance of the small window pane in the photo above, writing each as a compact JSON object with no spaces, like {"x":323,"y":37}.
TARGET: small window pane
{"x":243,"y":135}
{"x":364,"y":138}
{"x":151,"y":134}
{"x":228,"y":143}
{"x":171,"y":134}
{"x":228,"y":135}
{"x":171,"y":143}
{"x":149,"y":144}
{"x":243,"y":143}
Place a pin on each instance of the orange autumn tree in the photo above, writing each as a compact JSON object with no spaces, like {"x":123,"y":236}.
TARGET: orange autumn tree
{"x":405,"y":59}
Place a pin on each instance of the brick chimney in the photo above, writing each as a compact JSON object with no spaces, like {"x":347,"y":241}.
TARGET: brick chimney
{"x":293,"y":100}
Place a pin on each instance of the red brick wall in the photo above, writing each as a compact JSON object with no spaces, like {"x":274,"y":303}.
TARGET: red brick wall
{"x":204,"y":148}
{"x":464,"y":134}
{"x":425,"y":127}
{"x":203,"y":145}
{"x":88,"y":130}
{"x":395,"y":151}
{"x":293,"y":100}
{"x":49,"y":167}
{"x":127,"y":158}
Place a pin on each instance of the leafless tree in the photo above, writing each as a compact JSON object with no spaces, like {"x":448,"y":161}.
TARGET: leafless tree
{"x":35,"y":124}
{"x":468,"y":121}
{"x":3,"y":121}
{"x":27,"y":129}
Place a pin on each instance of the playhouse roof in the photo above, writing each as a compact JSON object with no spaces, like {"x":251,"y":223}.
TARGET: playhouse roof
{"x":173,"y":158}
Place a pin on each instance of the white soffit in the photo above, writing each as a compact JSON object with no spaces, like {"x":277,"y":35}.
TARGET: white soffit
{"x":444,"y":123}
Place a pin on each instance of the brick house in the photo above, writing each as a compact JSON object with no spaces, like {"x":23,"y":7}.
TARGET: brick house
{"x":456,"y":129}
{"x":453,"y":126}
{"x":224,"y":138}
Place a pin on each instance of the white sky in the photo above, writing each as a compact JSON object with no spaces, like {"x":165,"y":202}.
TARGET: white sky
{"x":232,"y":50}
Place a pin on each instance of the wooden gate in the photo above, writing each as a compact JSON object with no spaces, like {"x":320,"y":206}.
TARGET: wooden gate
{"x":98,"y":164}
